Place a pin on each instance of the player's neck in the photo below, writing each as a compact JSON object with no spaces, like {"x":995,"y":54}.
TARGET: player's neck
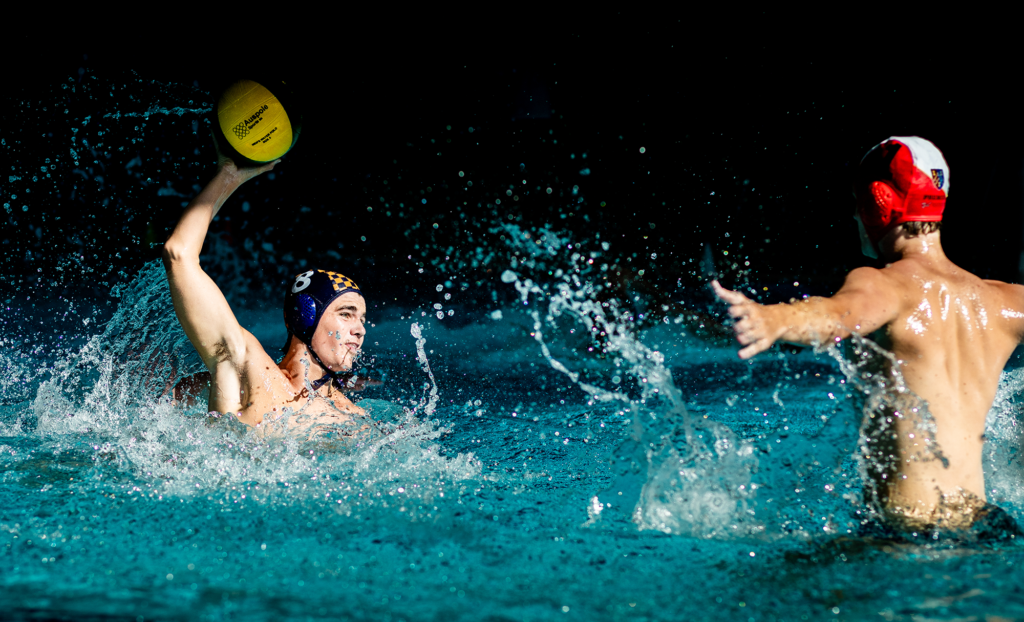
{"x":927,"y":246}
{"x":298,"y":364}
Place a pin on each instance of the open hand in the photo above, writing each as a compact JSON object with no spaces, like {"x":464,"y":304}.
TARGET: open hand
{"x":239,"y":174}
{"x":752,"y":324}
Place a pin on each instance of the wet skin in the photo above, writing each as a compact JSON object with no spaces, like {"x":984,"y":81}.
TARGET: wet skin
{"x":951,"y":332}
{"x":244,"y":379}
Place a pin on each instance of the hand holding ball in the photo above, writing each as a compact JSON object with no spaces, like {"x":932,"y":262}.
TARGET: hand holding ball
{"x":252,"y":124}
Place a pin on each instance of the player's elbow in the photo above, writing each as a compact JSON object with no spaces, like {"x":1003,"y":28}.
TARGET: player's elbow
{"x":840,"y":333}
{"x":173,"y":254}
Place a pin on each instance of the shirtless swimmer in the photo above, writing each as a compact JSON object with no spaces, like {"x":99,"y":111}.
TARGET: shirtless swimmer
{"x":951,"y":332}
{"x":324,"y":312}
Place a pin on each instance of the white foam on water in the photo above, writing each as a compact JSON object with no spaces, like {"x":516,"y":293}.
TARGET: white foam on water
{"x":116,"y":392}
{"x":1004,"y":470}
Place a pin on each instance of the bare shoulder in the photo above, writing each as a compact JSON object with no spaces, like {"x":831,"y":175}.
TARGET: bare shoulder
{"x":1004,"y":303}
{"x":1013,"y":290}
{"x":869,"y":275}
{"x":888,"y":281}
{"x":1010,"y":295}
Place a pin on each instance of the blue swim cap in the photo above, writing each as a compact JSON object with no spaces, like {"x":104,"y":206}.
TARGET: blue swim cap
{"x":308,"y":298}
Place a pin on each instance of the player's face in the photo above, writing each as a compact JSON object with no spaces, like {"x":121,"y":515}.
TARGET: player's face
{"x":340,"y":333}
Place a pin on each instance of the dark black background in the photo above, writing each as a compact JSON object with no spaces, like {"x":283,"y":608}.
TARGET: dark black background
{"x":767,"y":111}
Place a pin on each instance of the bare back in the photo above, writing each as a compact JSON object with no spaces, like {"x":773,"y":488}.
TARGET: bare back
{"x":952,"y":334}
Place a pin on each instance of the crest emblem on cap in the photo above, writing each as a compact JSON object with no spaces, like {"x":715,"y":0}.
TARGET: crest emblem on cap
{"x":938,"y":177}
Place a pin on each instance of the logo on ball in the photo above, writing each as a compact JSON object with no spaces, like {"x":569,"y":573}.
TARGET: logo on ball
{"x":240,"y":130}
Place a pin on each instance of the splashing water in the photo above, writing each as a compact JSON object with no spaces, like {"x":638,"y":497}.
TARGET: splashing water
{"x":117,"y":391}
{"x":421,"y":357}
{"x":157,"y":110}
{"x":562,"y":453}
{"x":875,"y":375}
{"x":1004,"y":469}
{"x":698,"y":475}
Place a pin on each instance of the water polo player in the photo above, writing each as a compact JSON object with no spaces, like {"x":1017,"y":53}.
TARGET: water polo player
{"x":950,"y":331}
{"x":324,"y":312}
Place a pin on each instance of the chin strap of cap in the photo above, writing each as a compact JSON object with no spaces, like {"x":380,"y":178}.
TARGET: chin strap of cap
{"x":339,"y":378}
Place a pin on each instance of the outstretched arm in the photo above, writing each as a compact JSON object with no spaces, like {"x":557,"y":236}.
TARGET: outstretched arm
{"x":867,"y":301}
{"x":198,"y":302}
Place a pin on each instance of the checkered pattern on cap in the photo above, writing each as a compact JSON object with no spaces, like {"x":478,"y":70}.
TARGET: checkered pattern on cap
{"x":340,"y":281}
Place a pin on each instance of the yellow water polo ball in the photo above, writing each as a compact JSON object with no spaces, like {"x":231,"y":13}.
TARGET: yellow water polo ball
{"x":254,"y":123}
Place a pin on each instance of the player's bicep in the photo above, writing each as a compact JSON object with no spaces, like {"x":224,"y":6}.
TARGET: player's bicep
{"x":204,"y":313}
{"x":867,"y":301}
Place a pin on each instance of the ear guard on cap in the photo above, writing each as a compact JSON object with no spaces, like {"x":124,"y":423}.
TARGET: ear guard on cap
{"x":305,"y":315}
{"x":880,"y":209}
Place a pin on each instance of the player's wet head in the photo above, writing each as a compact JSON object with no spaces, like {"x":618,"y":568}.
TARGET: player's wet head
{"x":902,"y":179}
{"x":306,"y":301}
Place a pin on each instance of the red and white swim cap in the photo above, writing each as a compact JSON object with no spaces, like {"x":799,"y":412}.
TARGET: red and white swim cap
{"x":902,"y":179}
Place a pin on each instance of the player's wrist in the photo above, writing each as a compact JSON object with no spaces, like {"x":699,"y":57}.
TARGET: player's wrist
{"x":778,"y":322}
{"x":228,"y":171}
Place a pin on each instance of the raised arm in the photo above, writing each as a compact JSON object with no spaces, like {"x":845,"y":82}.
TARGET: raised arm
{"x":198,"y":302}
{"x":867,"y":301}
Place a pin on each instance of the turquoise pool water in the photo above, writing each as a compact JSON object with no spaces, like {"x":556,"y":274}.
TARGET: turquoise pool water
{"x":510,"y":494}
{"x":545,"y":456}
